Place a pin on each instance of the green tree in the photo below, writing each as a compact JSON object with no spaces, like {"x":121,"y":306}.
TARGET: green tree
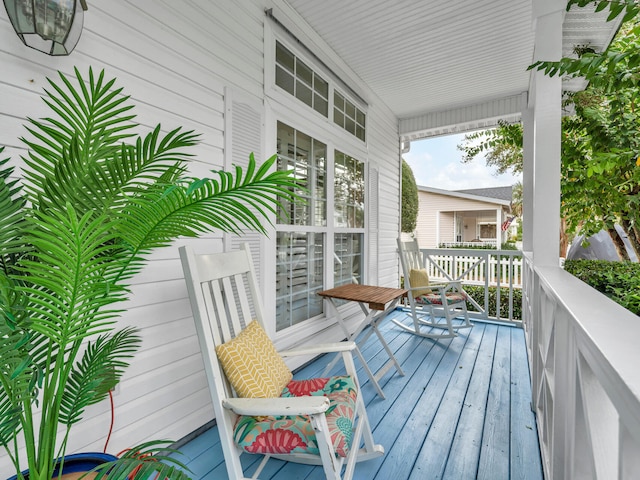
{"x":501,"y":146}
{"x":409,"y":206}
{"x":601,"y":184}
{"x":600,"y":142}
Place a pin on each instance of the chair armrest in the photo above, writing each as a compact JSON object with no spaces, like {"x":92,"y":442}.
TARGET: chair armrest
{"x":320,"y":349}
{"x":277,"y":406}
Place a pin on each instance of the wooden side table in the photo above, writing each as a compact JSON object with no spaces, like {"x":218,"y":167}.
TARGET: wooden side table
{"x":376,"y":303}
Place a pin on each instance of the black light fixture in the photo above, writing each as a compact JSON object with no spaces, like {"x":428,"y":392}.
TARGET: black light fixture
{"x":50,"y":26}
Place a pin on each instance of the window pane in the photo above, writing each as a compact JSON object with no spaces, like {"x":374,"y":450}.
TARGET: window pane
{"x":304,"y":73}
{"x":348,"y":191}
{"x":307,"y":157}
{"x":304,"y":93}
{"x":284,"y":57}
{"x":350,"y":109}
{"x":338,"y":117}
{"x":284,"y":80}
{"x":338,"y":100}
{"x":321,"y":86}
{"x":299,"y":276}
{"x":488,"y":231}
{"x":349,"y":125}
{"x":320,"y":105}
{"x":349,"y":258}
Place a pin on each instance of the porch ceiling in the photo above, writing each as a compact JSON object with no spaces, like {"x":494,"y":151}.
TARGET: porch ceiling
{"x":444,"y":66}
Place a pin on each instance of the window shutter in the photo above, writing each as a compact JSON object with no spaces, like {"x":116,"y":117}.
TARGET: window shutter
{"x":243,"y":131}
{"x":373,"y":222}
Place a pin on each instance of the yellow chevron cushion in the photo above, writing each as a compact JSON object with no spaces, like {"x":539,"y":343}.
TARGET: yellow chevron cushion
{"x":252,"y":364}
{"x":418,"y":277}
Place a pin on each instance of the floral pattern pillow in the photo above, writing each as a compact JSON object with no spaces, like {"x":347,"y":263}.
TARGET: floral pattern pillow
{"x":294,"y":434}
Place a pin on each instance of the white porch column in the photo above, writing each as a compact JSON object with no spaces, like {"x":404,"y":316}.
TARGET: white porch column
{"x":547,"y":94}
{"x":527,"y":178}
{"x":498,"y":228}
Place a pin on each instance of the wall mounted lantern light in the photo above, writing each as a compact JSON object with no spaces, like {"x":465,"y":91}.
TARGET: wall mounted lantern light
{"x":51,"y":26}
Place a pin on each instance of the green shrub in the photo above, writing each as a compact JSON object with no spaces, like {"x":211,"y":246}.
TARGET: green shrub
{"x":620,"y":281}
{"x":409,"y":217}
{"x":477,"y":292}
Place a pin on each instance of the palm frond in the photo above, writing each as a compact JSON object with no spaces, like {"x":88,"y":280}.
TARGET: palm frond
{"x":95,"y":118}
{"x":98,"y":371}
{"x":114,"y":179}
{"x":148,"y":460}
{"x":65,"y":278}
{"x":227,"y":204}
{"x":17,"y":369}
{"x":12,"y":221}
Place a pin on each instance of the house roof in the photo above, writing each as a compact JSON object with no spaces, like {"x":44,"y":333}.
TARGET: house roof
{"x":502,"y":193}
{"x":478,"y":194}
{"x":445,"y":67}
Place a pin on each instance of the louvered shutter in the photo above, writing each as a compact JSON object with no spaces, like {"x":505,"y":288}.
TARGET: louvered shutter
{"x":243,"y":130}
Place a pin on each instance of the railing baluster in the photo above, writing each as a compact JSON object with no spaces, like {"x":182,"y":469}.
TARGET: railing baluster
{"x":487,"y":268}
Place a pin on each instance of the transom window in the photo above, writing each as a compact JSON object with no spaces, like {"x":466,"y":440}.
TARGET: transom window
{"x":297,"y":78}
{"x":348,"y":116}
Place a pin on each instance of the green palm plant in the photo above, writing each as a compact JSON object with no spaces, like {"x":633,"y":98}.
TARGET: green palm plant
{"x":95,"y":199}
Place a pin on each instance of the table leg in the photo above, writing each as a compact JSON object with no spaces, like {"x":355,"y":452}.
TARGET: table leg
{"x":361,"y":327}
{"x":375,"y":322}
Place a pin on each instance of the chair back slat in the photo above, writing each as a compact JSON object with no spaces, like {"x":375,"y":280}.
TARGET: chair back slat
{"x":231,"y":320}
{"x":410,"y":258}
{"x":224,"y":298}
{"x":213,"y":299}
{"x":243,"y":300}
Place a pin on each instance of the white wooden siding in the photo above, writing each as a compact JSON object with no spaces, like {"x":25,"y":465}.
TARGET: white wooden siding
{"x":176,"y":60}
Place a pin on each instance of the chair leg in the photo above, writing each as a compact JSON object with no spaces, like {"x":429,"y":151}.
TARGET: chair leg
{"x":363,"y":427}
{"x":230,"y":450}
{"x":331,"y":464}
{"x":418,"y":323}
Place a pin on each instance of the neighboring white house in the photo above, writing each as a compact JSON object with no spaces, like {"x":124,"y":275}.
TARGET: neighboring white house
{"x":462,"y":216}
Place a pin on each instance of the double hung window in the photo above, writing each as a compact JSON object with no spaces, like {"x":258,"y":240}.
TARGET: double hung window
{"x":320,"y":240}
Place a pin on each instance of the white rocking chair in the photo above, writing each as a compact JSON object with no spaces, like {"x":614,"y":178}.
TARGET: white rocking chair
{"x":430,"y":303}
{"x":305,"y":421}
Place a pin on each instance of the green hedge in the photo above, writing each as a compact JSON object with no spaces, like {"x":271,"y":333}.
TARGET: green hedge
{"x":620,"y":281}
{"x":477,"y":292}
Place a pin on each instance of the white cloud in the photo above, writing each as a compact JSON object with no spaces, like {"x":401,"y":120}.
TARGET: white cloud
{"x":437,"y":163}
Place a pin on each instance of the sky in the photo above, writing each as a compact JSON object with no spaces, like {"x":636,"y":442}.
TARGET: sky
{"x":437,"y":163}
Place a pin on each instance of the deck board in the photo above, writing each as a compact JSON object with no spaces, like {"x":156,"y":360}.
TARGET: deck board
{"x":462,"y":411}
{"x":462,"y":461}
{"x":494,"y":455}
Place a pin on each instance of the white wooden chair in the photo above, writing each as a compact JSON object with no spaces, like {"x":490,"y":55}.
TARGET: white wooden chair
{"x":431,"y":305}
{"x":225,"y":299}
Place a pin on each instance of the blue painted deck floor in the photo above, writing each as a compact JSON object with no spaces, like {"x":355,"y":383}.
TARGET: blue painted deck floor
{"x":462,"y":411}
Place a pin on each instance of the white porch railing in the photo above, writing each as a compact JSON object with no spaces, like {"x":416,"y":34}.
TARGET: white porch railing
{"x":489,"y":268}
{"x":483,"y":243}
{"x":585,"y":371}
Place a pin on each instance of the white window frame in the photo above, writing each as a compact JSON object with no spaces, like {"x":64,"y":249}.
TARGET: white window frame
{"x":283,"y":107}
